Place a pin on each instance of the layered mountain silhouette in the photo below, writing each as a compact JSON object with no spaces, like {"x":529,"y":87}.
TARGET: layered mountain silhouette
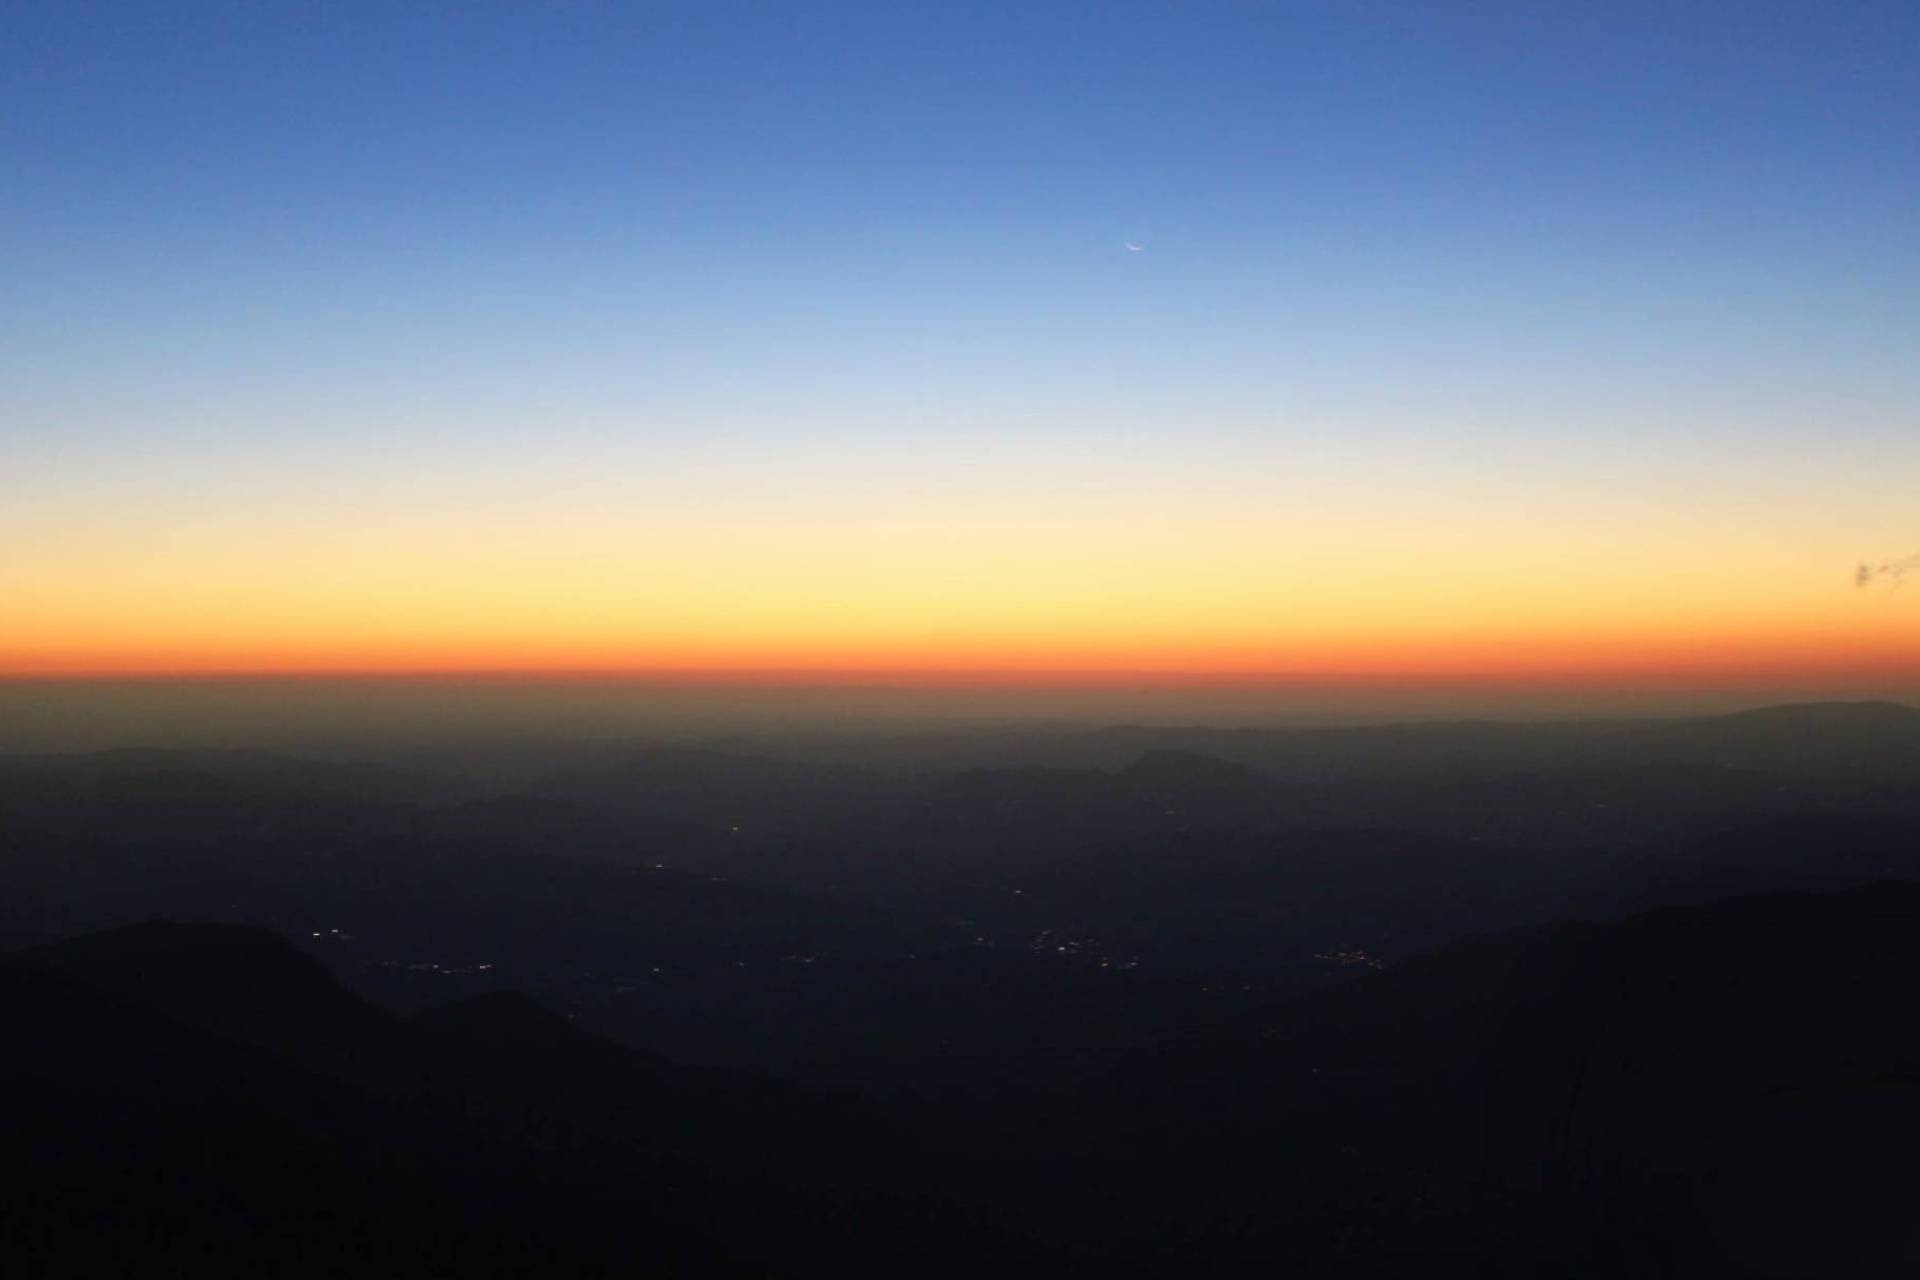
{"x":1719,"y":1089}
{"x":208,"y":1097}
{"x":1727,"y":1089}
{"x":1139,"y":1000}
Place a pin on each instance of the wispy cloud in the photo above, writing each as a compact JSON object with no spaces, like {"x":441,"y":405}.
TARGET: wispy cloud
{"x":1894,"y":571}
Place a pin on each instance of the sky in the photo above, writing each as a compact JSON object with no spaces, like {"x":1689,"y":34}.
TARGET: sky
{"x":1044,"y":341}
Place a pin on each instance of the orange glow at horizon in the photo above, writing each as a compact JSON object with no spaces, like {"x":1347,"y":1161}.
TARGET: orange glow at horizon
{"x":1223,"y":586}
{"x":1158,"y":633}
{"x":1704,"y":656}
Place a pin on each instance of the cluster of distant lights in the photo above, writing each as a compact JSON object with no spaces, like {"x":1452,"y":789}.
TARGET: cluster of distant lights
{"x":1349,"y":958}
{"x":1057,"y":942}
{"x":1047,"y":942}
{"x":421,"y":966}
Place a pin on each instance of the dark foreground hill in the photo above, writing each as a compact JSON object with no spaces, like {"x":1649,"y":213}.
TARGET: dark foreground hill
{"x":206,"y":1100}
{"x":1731,"y":1089}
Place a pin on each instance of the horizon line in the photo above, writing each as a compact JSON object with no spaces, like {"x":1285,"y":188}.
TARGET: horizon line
{"x":965,"y":677}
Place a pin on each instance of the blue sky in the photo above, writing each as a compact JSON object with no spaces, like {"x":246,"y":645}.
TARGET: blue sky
{"x":260,"y":254}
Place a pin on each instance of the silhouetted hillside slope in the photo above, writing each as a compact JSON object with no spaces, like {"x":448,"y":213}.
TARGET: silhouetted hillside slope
{"x":237,"y":981}
{"x":137,"y":1146}
{"x":1725,"y":1088}
{"x":1728,"y":1089}
{"x":254,"y":1079}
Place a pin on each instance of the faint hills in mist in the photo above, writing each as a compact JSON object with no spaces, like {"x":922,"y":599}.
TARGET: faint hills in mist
{"x":259,"y":772}
{"x":810,"y":775}
{"x":1858,"y":739}
{"x":723,"y":790}
{"x":1877,"y":739}
{"x":1216,"y":845}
